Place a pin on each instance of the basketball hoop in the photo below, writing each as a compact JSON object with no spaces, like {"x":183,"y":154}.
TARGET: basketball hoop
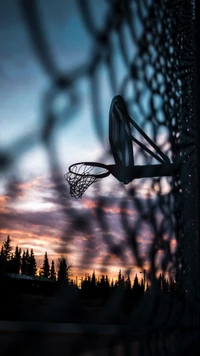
{"x":82,"y":175}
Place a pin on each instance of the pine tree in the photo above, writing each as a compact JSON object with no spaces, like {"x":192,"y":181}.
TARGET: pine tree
{"x":148,"y":289}
{"x":27,"y":261}
{"x":63,"y":269}
{"x":93,"y":279}
{"x":142,"y":285}
{"x":52,"y":272}
{"x":7,"y":248}
{"x":112,"y":284}
{"x":137,"y":293}
{"x":45,"y":268}
{"x":122,"y":281}
{"x":136,"y":284}
{"x":27,"y":256}
{"x":107,"y":285}
{"x":119,"y":277}
{"x":128,"y":281}
{"x":32,"y":266}
{"x":17,"y":260}
{"x":13,"y":265}
{"x":24,"y":264}
{"x":102,"y":280}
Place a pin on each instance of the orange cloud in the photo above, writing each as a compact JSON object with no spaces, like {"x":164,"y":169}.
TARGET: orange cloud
{"x":113,"y":209}
{"x":87,"y":243}
{"x":3,"y":202}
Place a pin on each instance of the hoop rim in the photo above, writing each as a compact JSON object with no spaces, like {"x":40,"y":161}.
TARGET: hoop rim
{"x":92,"y":164}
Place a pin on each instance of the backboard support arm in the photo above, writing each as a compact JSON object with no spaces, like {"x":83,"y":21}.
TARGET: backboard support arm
{"x":127,"y":175}
{"x":147,"y":138}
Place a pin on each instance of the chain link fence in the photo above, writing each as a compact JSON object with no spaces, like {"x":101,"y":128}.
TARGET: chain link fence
{"x":146,"y":52}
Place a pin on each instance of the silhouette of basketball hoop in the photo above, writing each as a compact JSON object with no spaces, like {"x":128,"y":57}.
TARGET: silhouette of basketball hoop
{"x":81,"y":175}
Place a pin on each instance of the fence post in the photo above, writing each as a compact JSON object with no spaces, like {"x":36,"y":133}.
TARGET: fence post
{"x":197,"y":59}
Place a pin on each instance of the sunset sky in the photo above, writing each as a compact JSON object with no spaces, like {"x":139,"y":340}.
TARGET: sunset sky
{"x":36,"y":209}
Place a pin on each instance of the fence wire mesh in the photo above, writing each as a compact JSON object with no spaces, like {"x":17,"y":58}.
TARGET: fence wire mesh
{"x":145,"y":51}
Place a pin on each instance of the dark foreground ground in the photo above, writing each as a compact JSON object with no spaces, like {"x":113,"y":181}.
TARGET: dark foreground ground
{"x":67,"y":339}
{"x":64,"y":324}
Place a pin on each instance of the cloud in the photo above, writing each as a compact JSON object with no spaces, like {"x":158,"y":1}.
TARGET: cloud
{"x":14,"y":189}
{"x":104,"y":231}
{"x":109,"y":206}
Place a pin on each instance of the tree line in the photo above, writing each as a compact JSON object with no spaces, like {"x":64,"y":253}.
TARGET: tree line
{"x":24,"y":262}
{"x":104,"y":286}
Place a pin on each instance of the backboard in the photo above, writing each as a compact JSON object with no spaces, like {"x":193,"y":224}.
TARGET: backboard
{"x":120,"y":136}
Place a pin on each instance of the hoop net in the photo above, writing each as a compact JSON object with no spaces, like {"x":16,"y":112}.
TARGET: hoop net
{"x":82,"y":175}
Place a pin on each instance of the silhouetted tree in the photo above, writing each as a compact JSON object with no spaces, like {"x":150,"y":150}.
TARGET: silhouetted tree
{"x":103,"y":287}
{"x":52,"y":271}
{"x":17,"y":258}
{"x":24,"y":264}
{"x":136,"y":284}
{"x":7,"y":248}
{"x":27,"y":261}
{"x":15,"y":261}
{"x":112,"y":284}
{"x":93,"y":279}
{"x":6,"y":256}
{"x":120,"y":280}
{"x":63,"y":269}
{"x":128,"y":282}
{"x":45,"y":267}
{"x":93,"y":286}
{"x":119,"y":276}
{"x":107,"y":285}
{"x":148,"y":289}
{"x":32,"y":266}
{"x":82,"y":282}
{"x":142,"y":285}
{"x":137,"y":292}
